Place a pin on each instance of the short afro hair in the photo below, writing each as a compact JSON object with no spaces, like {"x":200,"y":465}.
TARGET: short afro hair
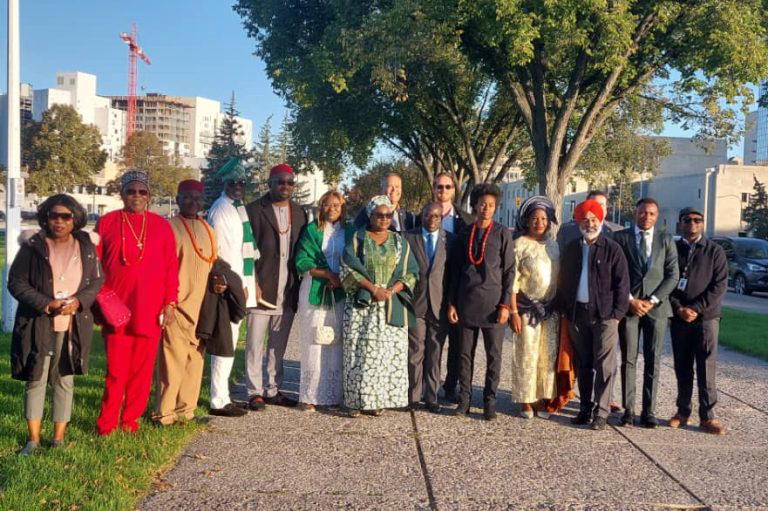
{"x":482,"y":190}
{"x":79,"y":216}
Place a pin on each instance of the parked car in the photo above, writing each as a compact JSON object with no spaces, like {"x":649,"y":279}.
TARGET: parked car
{"x":747,"y":263}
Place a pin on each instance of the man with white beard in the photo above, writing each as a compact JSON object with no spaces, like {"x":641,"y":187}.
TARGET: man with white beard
{"x":593,"y":293}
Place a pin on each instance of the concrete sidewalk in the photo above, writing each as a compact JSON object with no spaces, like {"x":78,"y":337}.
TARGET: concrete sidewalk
{"x":287,"y":459}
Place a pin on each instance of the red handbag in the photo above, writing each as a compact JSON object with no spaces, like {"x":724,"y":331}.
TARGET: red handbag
{"x":111,"y":309}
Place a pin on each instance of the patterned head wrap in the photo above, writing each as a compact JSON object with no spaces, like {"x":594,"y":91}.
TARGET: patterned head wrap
{"x":132,"y":176}
{"x":379,"y":200}
{"x":530,"y":205}
{"x":233,"y":170}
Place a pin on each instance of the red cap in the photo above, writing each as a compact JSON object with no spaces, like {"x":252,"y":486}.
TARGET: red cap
{"x":587,"y":206}
{"x":282,"y":168}
{"x":191,"y":185}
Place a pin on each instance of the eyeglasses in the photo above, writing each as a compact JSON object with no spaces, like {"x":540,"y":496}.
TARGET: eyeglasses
{"x":444,"y":187}
{"x":382,"y":216}
{"x":692,"y":220}
{"x":236,"y":183}
{"x":285,"y":182}
{"x":133,"y":191}
{"x":55,"y":215}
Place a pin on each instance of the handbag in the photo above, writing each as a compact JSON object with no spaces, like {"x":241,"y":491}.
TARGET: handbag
{"x":111,"y":309}
{"x":324,"y":334}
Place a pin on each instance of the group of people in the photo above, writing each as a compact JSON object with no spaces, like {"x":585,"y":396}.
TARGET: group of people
{"x":375,"y":300}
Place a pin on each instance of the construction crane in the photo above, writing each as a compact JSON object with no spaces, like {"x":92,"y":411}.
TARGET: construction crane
{"x":134,"y":51}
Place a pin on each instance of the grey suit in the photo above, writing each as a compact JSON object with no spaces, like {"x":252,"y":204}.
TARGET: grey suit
{"x":427,"y":336}
{"x":657,"y":278}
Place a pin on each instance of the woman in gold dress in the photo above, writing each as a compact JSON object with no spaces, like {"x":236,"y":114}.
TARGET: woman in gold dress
{"x":535,"y":325}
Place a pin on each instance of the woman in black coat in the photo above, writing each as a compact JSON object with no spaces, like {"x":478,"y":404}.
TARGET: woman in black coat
{"x":55,"y":277}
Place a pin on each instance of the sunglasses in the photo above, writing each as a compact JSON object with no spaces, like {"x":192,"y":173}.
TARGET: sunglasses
{"x":382,"y":216}
{"x":444,"y":187}
{"x":285,"y":182}
{"x":55,"y":215}
{"x":133,"y":191}
{"x":236,"y":183}
{"x":692,"y":220}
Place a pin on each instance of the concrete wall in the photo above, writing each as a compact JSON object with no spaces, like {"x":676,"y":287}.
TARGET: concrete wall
{"x":690,"y":156}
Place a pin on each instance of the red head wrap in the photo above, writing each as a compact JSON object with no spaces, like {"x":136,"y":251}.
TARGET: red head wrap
{"x":191,"y":185}
{"x":282,"y":168}
{"x":588,"y":205}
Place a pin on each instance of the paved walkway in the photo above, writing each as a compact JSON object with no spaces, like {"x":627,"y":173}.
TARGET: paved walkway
{"x":287,"y":459}
{"x":757,"y":302}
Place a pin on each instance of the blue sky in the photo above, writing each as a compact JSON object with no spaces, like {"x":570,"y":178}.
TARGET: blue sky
{"x":198,"y":48}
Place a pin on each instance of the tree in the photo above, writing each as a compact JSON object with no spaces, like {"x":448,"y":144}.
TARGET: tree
{"x":356,"y":72}
{"x":228,"y":143}
{"x":756,"y":213}
{"x":62,"y":152}
{"x":367,"y":183}
{"x":145,"y":151}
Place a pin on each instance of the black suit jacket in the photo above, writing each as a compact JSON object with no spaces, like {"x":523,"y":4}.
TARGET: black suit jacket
{"x":265,"y":230}
{"x":461,"y":219}
{"x":707,"y":278}
{"x":407,"y":220}
{"x":431,"y":293}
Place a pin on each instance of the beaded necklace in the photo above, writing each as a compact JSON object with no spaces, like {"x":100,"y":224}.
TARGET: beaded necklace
{"x":483,"y":244}
{"x":198,"y":250}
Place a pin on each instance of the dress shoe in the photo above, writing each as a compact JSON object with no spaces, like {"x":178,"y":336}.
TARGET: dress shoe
{"x":256,"y":403}
{"x":280,"y":400}
{"x":489,"y":411}
{"x":306,"y":407}
{"x":712,"y":426}
{"x":30,"y":449}
{"x":413,"y":407}
{"x":525,"y":414}
{"x":461,"y":410}
{"x":241,"y":404}
{"x":628,"y":419}
{"x":433,"y":407}
{"x":450,"y":395}
{"x":615,"y":408}
{"x":598,"y":424}
{"x":229,"y":410}
{"x":678,"y":421}
{"x":353,"y":413}
{"x":582,"y":418}
{"x":649,"y":421}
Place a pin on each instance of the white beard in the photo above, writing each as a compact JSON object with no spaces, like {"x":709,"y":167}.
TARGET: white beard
{"x":591,"y":235}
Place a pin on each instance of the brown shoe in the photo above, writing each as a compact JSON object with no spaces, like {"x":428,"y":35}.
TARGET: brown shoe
{"x":306,"y":407}
{"x":280,"y":400}
{"x":678,"y":421}
{"x":712,"y":426}
{"x":256,"y":403}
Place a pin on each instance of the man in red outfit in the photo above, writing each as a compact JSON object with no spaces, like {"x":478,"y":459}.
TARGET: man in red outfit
{"x":138,"y":253}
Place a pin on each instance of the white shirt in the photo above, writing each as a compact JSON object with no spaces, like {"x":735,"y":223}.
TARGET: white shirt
{"x":648,"y":240}
{"x":582,"y":293}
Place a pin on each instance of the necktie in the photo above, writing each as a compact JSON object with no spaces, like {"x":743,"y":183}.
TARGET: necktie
{"x":644,"y":248}
{"x":430,"y":248}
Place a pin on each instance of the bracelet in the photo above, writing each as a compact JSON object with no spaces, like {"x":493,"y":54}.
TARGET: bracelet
{"x":505,"y":306}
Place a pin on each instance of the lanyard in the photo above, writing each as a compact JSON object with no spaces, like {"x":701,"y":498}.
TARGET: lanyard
{"x":692,"y":250}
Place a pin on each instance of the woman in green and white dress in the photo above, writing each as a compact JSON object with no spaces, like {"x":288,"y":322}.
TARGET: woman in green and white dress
{"x":378,"y":273}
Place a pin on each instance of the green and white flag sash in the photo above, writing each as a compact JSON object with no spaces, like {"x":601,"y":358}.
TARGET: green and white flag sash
{"x":250,"y":251}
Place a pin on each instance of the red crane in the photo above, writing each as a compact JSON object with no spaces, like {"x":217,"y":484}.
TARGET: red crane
{"x":134,"y":50}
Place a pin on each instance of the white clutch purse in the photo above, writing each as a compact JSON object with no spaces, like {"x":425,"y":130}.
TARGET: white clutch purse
{"x":324,"y":334}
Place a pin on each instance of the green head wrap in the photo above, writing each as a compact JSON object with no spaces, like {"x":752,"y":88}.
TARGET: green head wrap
{"x":233,"y":170}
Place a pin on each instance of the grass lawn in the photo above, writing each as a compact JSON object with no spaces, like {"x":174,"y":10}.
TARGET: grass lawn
{"x":91,"y":472}
{"x":746,"y":332}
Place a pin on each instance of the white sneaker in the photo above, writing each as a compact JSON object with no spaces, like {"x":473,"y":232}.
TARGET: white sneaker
{"x":541,"y":414}
{"x":526,"y":414}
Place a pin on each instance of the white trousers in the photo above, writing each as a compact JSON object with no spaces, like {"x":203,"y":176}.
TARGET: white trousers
{"x":221,"y":368}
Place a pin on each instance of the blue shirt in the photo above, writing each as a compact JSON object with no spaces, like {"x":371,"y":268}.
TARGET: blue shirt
{"x":582,"y":294}
{"x":448,"y":223}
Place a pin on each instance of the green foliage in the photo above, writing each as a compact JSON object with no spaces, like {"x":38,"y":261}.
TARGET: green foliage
{"x":367,"y":183}
{"x":227,"y":144}
{"x":61,"y":151}
{"x":756,"y":213}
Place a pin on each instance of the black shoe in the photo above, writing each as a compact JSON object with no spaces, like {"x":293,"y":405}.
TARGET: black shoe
{"x":582,"y":418}
{"x":230,"y":410}
{"x":433,"y":407}
{"x":241,"y":404}
{"x":256,"y":403}
{"x":280,"y":400}
{"x":461,"y":410}
{"x":489,"y":411}
{"x":628,"y":419}
{"x":598,"y":424}
{"x":450,"y":395}
{"x":649,"y":421}
{"x":413,"y":407}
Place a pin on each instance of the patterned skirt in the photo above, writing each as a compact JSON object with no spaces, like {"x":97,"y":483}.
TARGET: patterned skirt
{"x":375,"y":356}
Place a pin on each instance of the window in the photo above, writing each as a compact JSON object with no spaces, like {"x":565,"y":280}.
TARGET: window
{"x":744,"y":197}
{"x":699,"y":193}
{"x":572,"y":206}
{"x":71,"y":81}
{"x":59,"y":80}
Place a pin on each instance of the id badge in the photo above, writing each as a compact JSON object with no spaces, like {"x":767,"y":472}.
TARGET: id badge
{"x":682,"y":284}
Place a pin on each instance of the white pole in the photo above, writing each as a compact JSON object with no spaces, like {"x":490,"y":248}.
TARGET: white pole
{"x":14,"y":187}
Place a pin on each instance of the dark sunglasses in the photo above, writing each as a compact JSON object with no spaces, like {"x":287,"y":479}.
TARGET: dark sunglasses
{"x":236,"y":183}
{"x":285,"y":182}
{"x":692,"y":220}
{"x":133,"y":191}
{"x":444,"y":187}
{"x":55,"y":215}
{"x":382,"y":216}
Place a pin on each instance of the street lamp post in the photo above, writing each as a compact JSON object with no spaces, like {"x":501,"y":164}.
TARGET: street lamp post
{"x":14,"y":186}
